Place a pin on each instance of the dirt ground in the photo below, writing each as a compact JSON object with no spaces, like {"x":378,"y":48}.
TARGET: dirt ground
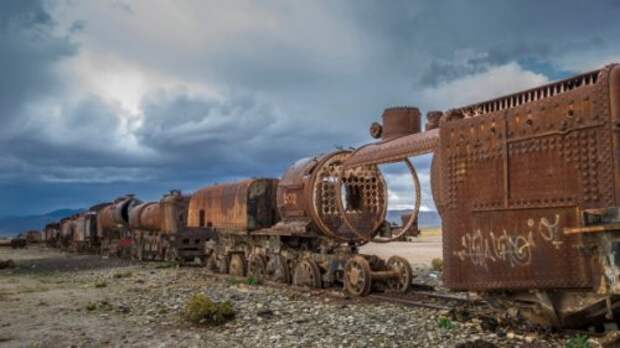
{"x":54,"y":299}
{"x":419,"y":251}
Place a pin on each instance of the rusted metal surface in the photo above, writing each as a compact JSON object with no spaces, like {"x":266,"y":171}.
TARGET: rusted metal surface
{"x":174,"y":207}
{"x":51,"y":232}
{"x":146,"y":216}
{"x":84,"y":227}
{"x":116,"y":214}
{"x":400,"y":121}
{"x":395,"y":150}
{"x":515,"y":172}
{"x":308,"y":193}
{"x":243,"y":206}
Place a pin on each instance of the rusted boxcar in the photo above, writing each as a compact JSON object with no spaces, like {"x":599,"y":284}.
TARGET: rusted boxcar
{"x":234,"y":207}
{"x":184,"y":243}
{"x":528,"y":188}
{"x":84,"y":234}
{"x":159,"y":231}
{"x":51,"y":233}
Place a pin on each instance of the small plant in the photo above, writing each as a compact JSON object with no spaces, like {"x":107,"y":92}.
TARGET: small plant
{"x":445,"y":323}
{"x":579,"y":341}
{"x":100,"y":284}
{"x":119,"y":275}
{"x":201,"y":310}
{"x":437,"y":264}
{"x":251,"y":281}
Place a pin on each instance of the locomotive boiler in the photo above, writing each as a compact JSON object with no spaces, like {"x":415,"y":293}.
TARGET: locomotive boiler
{"x":112,"y":226}
{"x":290,"y":230}
{"x":528,"y":189}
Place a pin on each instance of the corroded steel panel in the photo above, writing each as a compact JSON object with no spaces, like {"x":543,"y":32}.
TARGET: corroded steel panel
{"x":174,"y":207}
{"x":516,"y":171}
{"x":234,"y":207}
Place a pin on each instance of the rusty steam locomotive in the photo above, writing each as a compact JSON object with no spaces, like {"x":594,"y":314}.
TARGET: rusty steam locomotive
{"x":527,"y":186}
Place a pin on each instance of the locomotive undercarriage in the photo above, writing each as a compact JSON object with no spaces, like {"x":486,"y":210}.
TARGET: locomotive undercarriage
{"x":117,"y":243}
{"x":306,"y":261}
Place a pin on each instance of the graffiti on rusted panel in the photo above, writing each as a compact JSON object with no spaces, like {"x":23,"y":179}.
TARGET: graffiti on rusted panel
{"x":514,"y":249}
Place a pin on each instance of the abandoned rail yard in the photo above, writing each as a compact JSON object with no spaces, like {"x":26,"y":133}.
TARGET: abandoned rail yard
{"x":527,"y":187}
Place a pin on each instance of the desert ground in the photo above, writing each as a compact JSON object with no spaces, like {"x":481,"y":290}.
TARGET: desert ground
{"x":55,"y":299}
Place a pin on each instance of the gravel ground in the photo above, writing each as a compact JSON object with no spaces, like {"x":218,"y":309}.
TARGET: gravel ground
{"x":87,"y":301}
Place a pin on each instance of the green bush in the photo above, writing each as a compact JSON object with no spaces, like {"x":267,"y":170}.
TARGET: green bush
{"x":101,"y":284}
{"x":251,"y":281}
{"x":579,"y":341}
{"x":445,"y":323}
{"x":200,"y":309}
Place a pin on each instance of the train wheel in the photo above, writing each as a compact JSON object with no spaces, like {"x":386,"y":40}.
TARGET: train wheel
{"x":307,"y":273}
{"x":277,"y":270}
{"x":257,"y":267}
{"x":357,"y":277}
{"x":400,"y":265}
{"x":237,"y":265}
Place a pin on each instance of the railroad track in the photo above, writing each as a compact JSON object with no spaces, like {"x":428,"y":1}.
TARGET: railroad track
{"x":426,"y":299}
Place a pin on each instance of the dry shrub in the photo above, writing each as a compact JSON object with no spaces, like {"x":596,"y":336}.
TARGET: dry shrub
{"x":200,"y":309}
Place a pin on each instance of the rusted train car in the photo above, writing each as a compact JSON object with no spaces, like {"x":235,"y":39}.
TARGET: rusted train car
{"x":51,"y":234}
{"x":528,"y":189}
{"x":159,"y":231}
{"x":290,"y":230}
{"x":113,"y":226}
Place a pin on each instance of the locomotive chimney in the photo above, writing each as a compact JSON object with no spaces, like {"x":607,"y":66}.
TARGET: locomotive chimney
{"x":400,"y":121}
{"x":432,"y":119}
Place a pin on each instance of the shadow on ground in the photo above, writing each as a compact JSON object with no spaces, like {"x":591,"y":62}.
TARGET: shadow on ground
{"x":65,"y":263}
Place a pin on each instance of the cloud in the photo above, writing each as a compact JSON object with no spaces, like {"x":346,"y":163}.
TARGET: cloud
{"x":494,"y":82}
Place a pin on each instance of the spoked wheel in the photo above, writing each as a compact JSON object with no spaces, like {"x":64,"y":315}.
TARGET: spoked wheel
{"x":237,"y":265}
{"x":405,"y":274}
{"x":357,"y":277}
{"x":257,"y":267}
{"x":277,"y":270}
{"x":307,"y":273}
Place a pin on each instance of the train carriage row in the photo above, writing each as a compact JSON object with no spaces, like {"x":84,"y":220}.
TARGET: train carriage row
{"x":527,"y":186}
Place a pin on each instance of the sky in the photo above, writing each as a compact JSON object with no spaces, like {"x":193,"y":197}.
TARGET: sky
{"x":101,"y":98}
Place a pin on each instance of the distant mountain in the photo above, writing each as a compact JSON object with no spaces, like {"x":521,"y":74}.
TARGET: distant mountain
{"x":12,"y":225}
{"x":427,"y":218}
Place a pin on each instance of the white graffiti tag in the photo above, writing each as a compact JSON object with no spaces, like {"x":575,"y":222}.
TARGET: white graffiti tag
{"x":514,"y":249}
{"x":549,"y":232}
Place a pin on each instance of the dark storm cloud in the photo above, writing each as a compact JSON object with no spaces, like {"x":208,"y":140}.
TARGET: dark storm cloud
{"x":291,"y":81}
{"x":442,"y":35}
{"x":28,"y":52}
{"x":239,"y":136}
